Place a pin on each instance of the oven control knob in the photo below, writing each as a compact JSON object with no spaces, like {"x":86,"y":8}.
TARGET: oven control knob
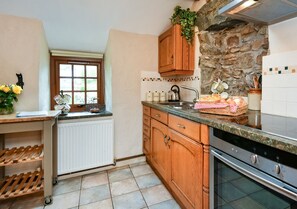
{"x":254,"y":158}
{"x":277,"y":169}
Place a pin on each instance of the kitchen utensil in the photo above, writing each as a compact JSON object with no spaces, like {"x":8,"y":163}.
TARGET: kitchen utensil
{"x":173,"y":94}
{"x":249,"y":80}
{"x":256,"y":81}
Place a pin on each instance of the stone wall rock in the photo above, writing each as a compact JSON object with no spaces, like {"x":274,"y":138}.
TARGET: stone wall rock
{"x":230,"y":54}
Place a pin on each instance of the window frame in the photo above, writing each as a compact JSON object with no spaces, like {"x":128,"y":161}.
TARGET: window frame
{"x":55,"y":79}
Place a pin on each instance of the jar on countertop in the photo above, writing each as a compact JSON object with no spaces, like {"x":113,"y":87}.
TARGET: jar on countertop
{"x":149,"y":96}
{"x":156,"y":96}
{"x":254,"y":99}
{"x":162,"y":96}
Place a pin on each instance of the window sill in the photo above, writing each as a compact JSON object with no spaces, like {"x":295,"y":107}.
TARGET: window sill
{"x":78,"y":115}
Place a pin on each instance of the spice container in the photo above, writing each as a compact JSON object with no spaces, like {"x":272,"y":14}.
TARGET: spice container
{"x":254,"y":98}
{"x":162,"y":96}
{"x":149,"y":96}
{"x":156,"y":96}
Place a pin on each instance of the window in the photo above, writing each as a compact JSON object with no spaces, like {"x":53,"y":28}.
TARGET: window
{"x":81,"y":78}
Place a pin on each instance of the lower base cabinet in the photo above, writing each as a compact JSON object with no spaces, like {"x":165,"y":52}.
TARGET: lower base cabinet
{"x":178,"y":152}
{"x":159,"y":148}
{"x":185,"y":177}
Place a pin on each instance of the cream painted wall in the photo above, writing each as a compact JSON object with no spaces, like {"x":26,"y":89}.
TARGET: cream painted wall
{"x":126,"y":56}
{"x":282,"y":36}
{"x":23,"y":49}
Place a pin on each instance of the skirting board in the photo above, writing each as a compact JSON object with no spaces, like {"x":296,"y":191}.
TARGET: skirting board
{"x":119,"y":163}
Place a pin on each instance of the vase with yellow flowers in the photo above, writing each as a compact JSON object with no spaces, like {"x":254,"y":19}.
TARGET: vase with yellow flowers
{"x":8,"y":95}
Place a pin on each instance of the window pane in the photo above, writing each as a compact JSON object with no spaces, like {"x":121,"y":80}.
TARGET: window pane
{"x":79,"y":70}
{"x":66,"y":84}
{"x":91,"y":97}
{"x":91,"y":84}
{"x":91,"y":71}
{"x":79,"y":98}
{"x":65,"y":70}
{"x":79,"y":84}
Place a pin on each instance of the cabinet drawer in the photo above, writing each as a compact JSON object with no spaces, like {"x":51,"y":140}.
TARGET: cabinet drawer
{"x":146,"y":110}
{"x":146,"y":130}
{"x":185,"y":127}
{"x":159,"y":115}
{"x":146,"y":120}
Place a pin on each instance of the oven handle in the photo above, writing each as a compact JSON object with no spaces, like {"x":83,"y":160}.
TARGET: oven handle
{"x":258,"y":176}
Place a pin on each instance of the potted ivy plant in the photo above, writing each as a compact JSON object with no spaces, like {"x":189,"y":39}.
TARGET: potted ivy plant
{"x":186,"y":18}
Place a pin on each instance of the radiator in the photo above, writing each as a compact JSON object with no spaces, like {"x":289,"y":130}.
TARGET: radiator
{"x":84,"y":144}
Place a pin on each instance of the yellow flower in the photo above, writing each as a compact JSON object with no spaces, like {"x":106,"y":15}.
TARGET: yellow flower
{"x":17,"y":89}
{"x":6,"y":89}
{"x":1,"y":87}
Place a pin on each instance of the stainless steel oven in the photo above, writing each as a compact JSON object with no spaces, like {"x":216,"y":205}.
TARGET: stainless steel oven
{"x":249,"y":175}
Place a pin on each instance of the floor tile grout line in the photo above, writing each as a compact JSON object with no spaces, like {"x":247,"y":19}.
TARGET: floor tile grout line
{"x":140,"y":191}
{"x":81,"y":181}
{"x":109,"y":187}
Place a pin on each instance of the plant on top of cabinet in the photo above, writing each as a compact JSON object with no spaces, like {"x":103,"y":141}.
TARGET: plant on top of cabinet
{"x":186,"y":18}
{"x":176,"y":55}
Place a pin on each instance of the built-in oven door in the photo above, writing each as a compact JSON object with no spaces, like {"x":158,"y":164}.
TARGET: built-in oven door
{"x":234,"y":185}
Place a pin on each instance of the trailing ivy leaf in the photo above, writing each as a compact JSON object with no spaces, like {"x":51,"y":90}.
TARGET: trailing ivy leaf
{"x":186,"y":18}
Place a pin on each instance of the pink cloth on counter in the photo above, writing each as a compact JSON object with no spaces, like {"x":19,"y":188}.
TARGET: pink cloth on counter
{"x":233,"y":108}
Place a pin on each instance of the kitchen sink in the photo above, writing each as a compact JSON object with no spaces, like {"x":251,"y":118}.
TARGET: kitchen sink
{"x":179,"y":105}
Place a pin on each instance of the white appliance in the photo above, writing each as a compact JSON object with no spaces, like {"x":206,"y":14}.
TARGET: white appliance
{"x":84,"y":144}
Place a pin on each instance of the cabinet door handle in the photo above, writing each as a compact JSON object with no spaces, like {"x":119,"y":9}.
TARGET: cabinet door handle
{"x":165,"y":136}
{"x":157,"y":115}
{"x":181,"y":126}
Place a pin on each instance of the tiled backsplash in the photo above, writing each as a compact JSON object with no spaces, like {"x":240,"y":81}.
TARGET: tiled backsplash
{"x":151,"y":81}
{"x":279,"y":87}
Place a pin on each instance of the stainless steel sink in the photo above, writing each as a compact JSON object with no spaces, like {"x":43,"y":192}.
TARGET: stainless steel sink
{"x":179,"y":105}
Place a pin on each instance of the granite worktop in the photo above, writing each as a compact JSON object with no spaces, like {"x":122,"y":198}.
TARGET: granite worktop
{"x":275,"y":131}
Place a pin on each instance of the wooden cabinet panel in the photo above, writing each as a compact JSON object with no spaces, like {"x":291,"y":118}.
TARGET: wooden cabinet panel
{"x":176,"y":56}
{"x":159,"y":115}
{"x":185,"y":177}
{"x":146,"y":120}
{"x":159,"y":148}
{"x":184,"y":126}
{"x":146,"y":146}
{"x":146,"y":130}
{"x":146,"y":110}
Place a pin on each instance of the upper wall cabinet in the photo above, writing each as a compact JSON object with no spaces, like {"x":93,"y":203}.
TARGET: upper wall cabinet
{"x":176,"y":56}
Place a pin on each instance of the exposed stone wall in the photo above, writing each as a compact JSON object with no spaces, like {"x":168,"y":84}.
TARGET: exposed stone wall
{"x":231,"y":54}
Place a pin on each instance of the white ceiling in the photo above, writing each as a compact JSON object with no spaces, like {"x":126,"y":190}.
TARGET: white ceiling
{"x":83,"y":25}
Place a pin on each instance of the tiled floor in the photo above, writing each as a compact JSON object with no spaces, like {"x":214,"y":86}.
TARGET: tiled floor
{"x":130,"y":187}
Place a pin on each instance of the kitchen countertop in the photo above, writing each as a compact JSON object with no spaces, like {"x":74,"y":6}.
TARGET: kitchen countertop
{"x":247,"y":125}
{"x":11,"y":118}
{"x":78,"y":115}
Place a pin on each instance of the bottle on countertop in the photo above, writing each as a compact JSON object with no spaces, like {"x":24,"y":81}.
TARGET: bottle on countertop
{"x":156,"y":96}
{"x":162,"y":96}
{"x":149,"y":96}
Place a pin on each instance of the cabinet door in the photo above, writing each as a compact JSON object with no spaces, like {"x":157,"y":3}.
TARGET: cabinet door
{"x":185,"y":177}
{"x":170,"y":50}
{"x":166,"y":53}
{"x":159,"y":149}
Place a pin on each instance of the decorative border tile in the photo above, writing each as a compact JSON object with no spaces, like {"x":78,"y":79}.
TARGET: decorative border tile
{"x":179,"y":79}
{"x":280,"y":70}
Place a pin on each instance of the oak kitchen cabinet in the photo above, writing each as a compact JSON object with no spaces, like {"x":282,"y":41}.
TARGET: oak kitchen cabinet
{"x":159,"y":137}
{"x":178,"y":155}
{"x":186,"y":161}
{"x":176,"y":56}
